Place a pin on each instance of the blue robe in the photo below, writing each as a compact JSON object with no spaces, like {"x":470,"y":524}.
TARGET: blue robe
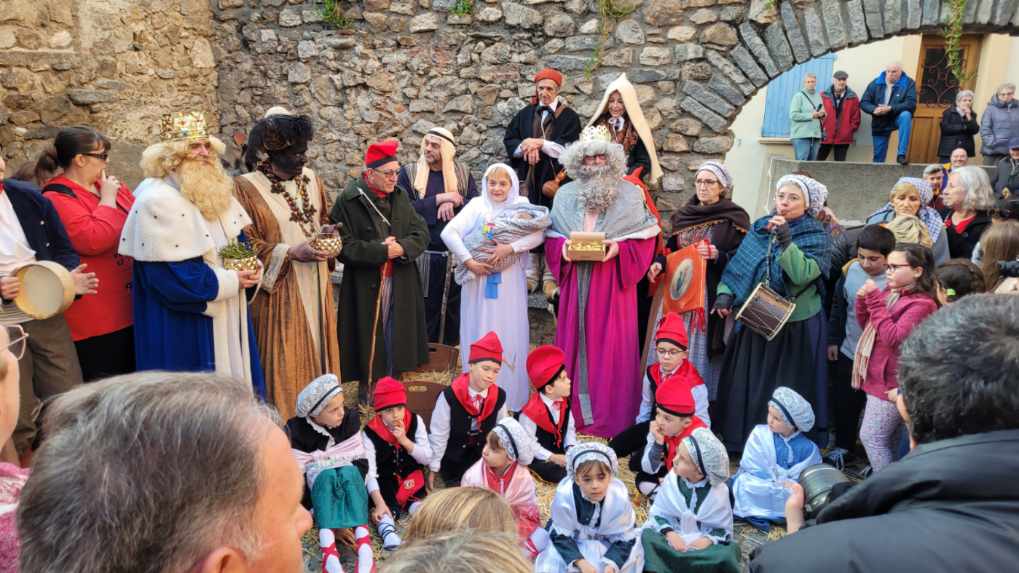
{"x":170,"y":331}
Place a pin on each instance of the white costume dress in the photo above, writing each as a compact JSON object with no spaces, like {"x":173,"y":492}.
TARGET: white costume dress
{"x":769,"y":460}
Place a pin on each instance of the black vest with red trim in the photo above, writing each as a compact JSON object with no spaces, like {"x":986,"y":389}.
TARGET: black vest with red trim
{"x":464,"y":446}
{"x":654,"y":374}
{"x":547,"y":439}
{"x":393,"y":463}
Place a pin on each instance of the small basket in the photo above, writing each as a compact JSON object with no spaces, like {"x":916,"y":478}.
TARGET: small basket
{"x":245,"y":264}
{"x":328,"y":244}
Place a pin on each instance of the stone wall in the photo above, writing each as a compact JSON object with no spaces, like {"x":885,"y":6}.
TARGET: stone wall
{"x":114,"y":64}
{"x":404,"y":66}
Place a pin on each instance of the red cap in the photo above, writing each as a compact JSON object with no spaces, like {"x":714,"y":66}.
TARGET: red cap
{"x":381,"y":153}
{"x":675,"y":398}
{"x":671,"y":329}
{"x":486,"y":348}
{"x":543,"y":364}
{"x":549,"y":74}
{"x":389,"y":392}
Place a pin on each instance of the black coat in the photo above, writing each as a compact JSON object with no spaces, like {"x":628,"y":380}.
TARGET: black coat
{"x":363,"y":257}
{"x":1007,"y":177}
{"x":949,"y":506}
{"x":563,"y":129}
{"x":41,"y":224}
{"x":957,"y":132}
{"x":961,"y":245}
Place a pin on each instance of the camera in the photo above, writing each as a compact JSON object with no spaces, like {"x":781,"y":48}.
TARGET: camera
{"x":1009,"y":269}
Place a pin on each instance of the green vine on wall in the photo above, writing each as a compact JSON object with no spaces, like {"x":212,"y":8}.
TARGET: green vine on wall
{"x":462,"y":8}
{"x":332,"y":12}
{"x":953,"y":41}
{"x":609,"y":15}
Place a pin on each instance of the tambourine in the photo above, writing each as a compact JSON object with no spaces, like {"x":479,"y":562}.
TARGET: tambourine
{"x":47,"y":289}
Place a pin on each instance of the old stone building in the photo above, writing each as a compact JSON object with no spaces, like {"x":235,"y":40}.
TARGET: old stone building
{"x":394,"y":68}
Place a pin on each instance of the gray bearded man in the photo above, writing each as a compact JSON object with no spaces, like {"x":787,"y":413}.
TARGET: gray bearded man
{"x":597,"y":326}
{"x":438,"y":186}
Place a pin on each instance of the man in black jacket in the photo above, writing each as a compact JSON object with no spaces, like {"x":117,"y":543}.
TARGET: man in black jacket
{"x":952,"y":504}
{"x":31,"y":231}
{"x":891,"y":100}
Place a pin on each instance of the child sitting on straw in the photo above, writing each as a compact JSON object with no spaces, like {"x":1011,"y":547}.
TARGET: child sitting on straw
{"x":689,"y":526}
{"x":671,"y":344}
{"x":466,"y":411}
{"x":326,"y":440}
{"x":675,"y":419}
{"x":592,"y":525}
{"x":546,"y":417}
{"x":399,"y":460}
{"x":503,"y":469}
{"x":773,"y":459}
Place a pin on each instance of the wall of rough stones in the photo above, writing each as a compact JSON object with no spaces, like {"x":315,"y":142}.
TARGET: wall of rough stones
{"x":403,"y":66}
{"x":113,"y":64}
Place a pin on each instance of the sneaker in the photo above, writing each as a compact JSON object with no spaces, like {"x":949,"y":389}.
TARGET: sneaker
{"x":837,"y":457}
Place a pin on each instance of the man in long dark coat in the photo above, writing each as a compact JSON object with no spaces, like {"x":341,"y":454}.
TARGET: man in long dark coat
{"x":534,"y":140}
{"x":382,"y":310}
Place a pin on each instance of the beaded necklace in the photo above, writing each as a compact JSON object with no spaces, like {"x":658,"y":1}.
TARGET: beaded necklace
{"x":303,"y":213}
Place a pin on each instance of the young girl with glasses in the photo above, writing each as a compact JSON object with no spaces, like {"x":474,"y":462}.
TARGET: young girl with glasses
{"x":888,"y":316}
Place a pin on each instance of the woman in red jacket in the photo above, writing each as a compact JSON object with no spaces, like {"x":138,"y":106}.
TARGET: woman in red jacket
{"x":888,"y":316}
{"x":93,"y":207}
{"x":842,"y":107}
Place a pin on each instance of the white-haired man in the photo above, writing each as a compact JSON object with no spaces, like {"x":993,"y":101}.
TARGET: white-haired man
{"x":190,"y":312}
{"x":597,"y":326}
{"x":438,"y":186}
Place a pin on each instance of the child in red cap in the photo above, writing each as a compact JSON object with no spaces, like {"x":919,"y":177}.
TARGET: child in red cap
{"x":400,"y":461}
{"x":546,"y":417}
{"x":674,"y":420}
{"x":466,"y":411}
{"x":671,"y":345}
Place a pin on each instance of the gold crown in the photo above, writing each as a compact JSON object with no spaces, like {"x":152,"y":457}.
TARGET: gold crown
{"x":181,"y":126}
{"x":595,"y":133}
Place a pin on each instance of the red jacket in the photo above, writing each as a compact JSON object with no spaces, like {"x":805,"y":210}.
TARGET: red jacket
{"x":94,"y":231}
{"x":848,"y":121}
{"x":893,"y":326}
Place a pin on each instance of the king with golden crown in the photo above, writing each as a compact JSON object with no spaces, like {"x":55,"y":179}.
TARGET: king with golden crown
{"x":190,"y":310}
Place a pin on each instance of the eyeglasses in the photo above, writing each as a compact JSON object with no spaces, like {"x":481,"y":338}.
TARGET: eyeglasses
{"x":387,"y":173}
{"x":104,"y":156}
{"x":894,"y":268}
{"x":18,"y":340}
{"x":705,"y":182}
{"x":669,"y":352}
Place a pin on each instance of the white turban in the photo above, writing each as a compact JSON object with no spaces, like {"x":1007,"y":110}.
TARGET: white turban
{"x":514,"y":440}
{"x":794,"y":408}
{"x":708,"y":454}
{"x":317,"y":395}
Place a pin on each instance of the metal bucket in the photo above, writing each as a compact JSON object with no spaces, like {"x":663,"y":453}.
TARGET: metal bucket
{"x":817,"y":482}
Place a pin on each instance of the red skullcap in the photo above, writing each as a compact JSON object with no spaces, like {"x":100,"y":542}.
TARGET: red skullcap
{"x":380,"y":153}
{"x":675,"y":398}
{"x":487,"y":348}
{"x":389,"y":392}
{"x":671,"y":329}
{"x":543,"y":364}
{"x":549,"y":74}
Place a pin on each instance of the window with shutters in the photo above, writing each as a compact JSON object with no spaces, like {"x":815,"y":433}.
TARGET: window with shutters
{"x":782,"y":89}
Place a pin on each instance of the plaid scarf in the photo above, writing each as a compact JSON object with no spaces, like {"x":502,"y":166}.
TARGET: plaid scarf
{"x":748,"y":266}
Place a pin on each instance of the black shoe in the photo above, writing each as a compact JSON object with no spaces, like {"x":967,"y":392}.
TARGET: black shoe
{"x":902,"y":160}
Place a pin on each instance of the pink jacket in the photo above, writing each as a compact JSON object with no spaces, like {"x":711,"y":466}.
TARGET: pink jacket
{"x":893,"y":325}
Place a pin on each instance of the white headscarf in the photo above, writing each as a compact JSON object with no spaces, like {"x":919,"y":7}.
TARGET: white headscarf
{"x":317,"y":395}
{"x":814,"y":192}
{"x":514,"y":193}
{"x":708,"y":454}
{"x":514,"y":440}
{"x":634,"y":115}
{"x":448,"y":152}
{"x":590,"y":451}
{"x":794,"y":408}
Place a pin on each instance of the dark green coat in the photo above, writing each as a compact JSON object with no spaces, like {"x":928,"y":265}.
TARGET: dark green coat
{"x":363,"y":256}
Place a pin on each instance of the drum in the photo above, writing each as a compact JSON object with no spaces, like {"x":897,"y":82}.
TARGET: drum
{"x":817,"y":482}
{"x":47,"y":289}
{"x":765,"y":311}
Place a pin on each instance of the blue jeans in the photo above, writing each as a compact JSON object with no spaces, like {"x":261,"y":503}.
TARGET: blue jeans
{"x":903,"y":123}
{"x":806,"y":148}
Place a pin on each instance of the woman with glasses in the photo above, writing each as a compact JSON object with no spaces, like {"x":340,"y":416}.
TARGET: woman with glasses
{"x":711,"y":220}
{"x":93,"y":206}
{"x":12,"y":477}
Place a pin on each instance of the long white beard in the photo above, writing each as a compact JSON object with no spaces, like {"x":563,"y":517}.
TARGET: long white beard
{"x":599,"y":184}
{"x":205,"y":184}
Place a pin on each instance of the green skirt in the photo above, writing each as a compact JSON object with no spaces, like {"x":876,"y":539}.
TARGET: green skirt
{"x":660,"y":557}
{"x":339,"y":498}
